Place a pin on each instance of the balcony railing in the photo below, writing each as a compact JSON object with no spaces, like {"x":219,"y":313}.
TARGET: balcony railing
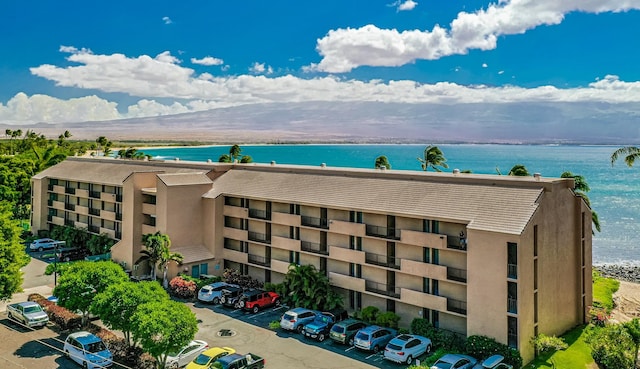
{"x":314,"y":222}
{"x":70,"y":190}
{"x":118,"y":235}
{"x":71,"y":207}
{"x":456,"y":243}
{"x":259,"y":214}
{"x":50,"y":187}
{"x":49,"y":202}
{"x":93,"y":211}
{"x":382,"y":260}
{"x":457,"y":306}
{"x":119,"y":197}
{"x":69,"y":222}
{"x":383,"y":232}
{"x":512,"y":271}
{"x":94,"y":194}
{"x":234,"y":247}
{"x":314,"y":247}
{"x":118,"y":216}
{"x":382,"y":289}
{"x":94,"y":229}
{"x":259,"y":237}
{"x":456,"y":274}
{"x":512,"y":305}
{"x":259,"y":260}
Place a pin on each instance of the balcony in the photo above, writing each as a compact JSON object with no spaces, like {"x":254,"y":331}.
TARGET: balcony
{"x":259,"y":237}
{"x":285,"y":243}
{"x":148,"y":209}
{"x":314,"y":247}
{"x":232,"y":246}
{"x":235,"y":233}
{"x":118,"y":197}
{"x":382,"y":260}
{"x":382,"y":289}
{"x":71,"y":207}
{"x":285,"y":218}
{"x":93,"y":211}
{"x":456,"y":243}
{"x":70,"y":190}
{"x":512,"y":271}
{"x":423,"y":299}
{"x":235,"y":256}
{"x":94,"y":229}
{"x":512,"y":305}
{"x":346,"y":282}
{"x":280,"y":266}
{"x":383,"y":232}
{"x":235,"y":211}
{"x":421,"y":269}
{"x":94,"y":194}
{"x":455,"y":274}
{"x":347,"y":255}
{"x":457,"y":306}
{"x":259,"y":214}
{"x":259,"y":260}
{"x":348,"y":228}
{"x":416,"y":238}
{"x":118,"y":216}
{"x":69,"y":223}
{"x":314,"y":222}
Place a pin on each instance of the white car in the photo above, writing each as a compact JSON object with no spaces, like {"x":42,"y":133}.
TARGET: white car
{"x":406,"y":347}
{"x":212,"y":293}
{"x":44,"y":244}
{"x":185,"y":355}
{"x":87,"y":350}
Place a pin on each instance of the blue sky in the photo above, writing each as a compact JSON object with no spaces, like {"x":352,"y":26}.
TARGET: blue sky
{"x":78,"y":61}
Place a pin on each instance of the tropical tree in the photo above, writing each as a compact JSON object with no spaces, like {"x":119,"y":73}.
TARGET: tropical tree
{"x":630,"y":153}
{"x":581,"y":187}
{"x":305,"y":286}
{"x":132,"y":153}
{"x":83,"y":280}
{"x":433,"y":158}
{"x":13,"y":253}
{"x":235,"y":155}
{"x":163,"y":326}
{"x":158,"y":253}
{"x":104,"y":144}
{"x":633,"y":329}
{"x":117,"y":304}
{"x":382,"y":161}
{"x":48,"y":157}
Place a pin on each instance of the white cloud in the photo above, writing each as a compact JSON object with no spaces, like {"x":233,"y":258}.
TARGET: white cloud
{"x":484,"y":65}
{"x":501,"y":72}
{"x":260,"y":68}
{"x":167,"y":20}
{"x":345,"y":49}
{"x":42,"y":108}
{"x":407,"y":5}
{"x":74,"y":50}
{"x":208,"y":61}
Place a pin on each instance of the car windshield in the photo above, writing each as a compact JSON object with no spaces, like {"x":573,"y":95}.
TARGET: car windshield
{"x":288,"y":317}
{"x":394,"y":347}
{"x":207,"y":289}
{"x":32,"y":309}
{"x":362,"y":336}
{"x":96,"y":347}
{"x":443,"y":365}
{"x":338,"y":329}
{"x":202,"y":359}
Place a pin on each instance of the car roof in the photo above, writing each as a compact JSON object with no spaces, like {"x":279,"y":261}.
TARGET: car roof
{"x":350,"y":321}
{"x":492,"y":361}
{"x":229,"y":358}
{"x":44,"y":240}
{"x":453,"y":358}
{"x":216,"y":351}
{"x":299,"y":310}
{"x":28,"y":303}
{"x":372,"y":328}
{"x":404,"y":338}
{"x":85,"y":337}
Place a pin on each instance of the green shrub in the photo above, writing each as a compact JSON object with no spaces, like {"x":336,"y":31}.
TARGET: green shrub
{"x":272,"y":287}
{"x":403,"y":331}
{"x":483,"y":347}
{"x":274,"y":325}
{"x":612,"y":347}
{"x":388,"y":319}
{"x":369,"y":314}
{"x":543,"y":343}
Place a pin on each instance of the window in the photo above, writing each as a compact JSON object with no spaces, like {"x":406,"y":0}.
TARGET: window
{"x":426,"y":257}
{"x":435,"y":256}
{"x":425,"y":285}
{"x":535,"y":240}
{"x":512,"y":260}
{"x":512,"y":332}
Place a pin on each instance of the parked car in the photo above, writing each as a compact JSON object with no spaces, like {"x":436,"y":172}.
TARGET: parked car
{"x":212,"y":293}
{"x":87,"y":350}
{"x":185,"y":355}
{"x":373,"y":338}
{"x":255,"y":300}
{"x":344,"y":331}
{"x":406,"y":347}
{"x":207,"y":357}
{"x":72,"y":253}
{"x":28,"y":313}
{"x":454,"y":361}
{"x":295,"y":319}
{"x":493,"y":362}
{"x":320,"y":327}
{"x":44,"y":244}
{"x":237,"y":361}
{"x":230,"y":296}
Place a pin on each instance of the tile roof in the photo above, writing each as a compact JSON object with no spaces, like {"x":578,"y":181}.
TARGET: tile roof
{"x":182,"y":179}
{"x":194,"y":253}
{"x":481,"y":203}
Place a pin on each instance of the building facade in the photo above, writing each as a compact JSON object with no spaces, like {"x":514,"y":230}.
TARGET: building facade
{"x":506,"y":257}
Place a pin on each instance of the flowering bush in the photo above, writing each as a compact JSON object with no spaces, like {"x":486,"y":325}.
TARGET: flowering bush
{"x":599,"y":316}
{"x":181,"y":288}
{"x":62,"y":317}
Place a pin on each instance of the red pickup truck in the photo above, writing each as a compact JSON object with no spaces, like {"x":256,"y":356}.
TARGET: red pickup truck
{"x":254,"y":300}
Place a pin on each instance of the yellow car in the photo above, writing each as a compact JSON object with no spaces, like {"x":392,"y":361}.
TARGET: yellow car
{"x":207,"y":357}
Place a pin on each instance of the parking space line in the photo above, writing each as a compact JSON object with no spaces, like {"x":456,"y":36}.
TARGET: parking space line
{"x":370,"y":356}
{"x":349,"y":349}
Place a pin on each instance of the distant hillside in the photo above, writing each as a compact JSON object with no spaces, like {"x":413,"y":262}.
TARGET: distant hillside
{"x":593,"y":123}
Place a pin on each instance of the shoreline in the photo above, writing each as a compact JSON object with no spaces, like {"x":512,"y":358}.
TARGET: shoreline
{"x":621,"y":272}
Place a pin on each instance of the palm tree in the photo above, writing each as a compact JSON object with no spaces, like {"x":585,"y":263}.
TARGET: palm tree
{"x":433,"y":158}
{"x":154,"y":244}
{"x":382,"y":161}
{"x":234,"y":152}
{"x":165,"y":258}
{"x":519,"y":170}
{"x":581,"y":187}
{"x":630,"y":153}
{"x":102,"y":142}
{"x":233,"y":155}
{"x":47,"y":158}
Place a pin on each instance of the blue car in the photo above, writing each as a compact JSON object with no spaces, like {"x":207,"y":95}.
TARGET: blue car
{"x":373,"y":338}
{"x":406,"y":347}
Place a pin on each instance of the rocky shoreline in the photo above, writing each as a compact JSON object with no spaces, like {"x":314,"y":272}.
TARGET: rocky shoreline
{"x":629,"y":273}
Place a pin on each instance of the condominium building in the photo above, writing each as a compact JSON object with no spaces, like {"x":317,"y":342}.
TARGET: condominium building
{"x":501,"y":256}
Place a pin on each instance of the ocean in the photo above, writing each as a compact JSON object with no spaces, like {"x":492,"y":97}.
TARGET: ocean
{"x":614,"y":191}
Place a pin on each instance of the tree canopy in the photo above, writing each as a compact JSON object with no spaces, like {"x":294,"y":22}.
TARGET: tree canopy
{"x":581,"y":187}
{"x":157,"y":252}
{"x":163,"y":326}
{"x":13,"y":256}
{"x":630,"y":154}
{"x":305,"y":286}
{"x":235,"y":154}
{"x":433,"y":158}
{"x":382,"y":161}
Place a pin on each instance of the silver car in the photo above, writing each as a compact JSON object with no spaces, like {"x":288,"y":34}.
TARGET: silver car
{"x":455,"y":361}
{"x":406,"y":347}
{"x":186,"y":355}
{"x":212,"y":293}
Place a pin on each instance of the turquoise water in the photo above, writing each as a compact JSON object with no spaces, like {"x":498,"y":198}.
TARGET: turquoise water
{"x":614,"y":191}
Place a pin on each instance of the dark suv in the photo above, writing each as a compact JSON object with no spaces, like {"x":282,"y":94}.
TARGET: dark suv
{"x":319,"y":328}
{"x":230,"y":296}
{"x":72,"y":253}
{"x":254,"y":300}
{"x":345,"y":330}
